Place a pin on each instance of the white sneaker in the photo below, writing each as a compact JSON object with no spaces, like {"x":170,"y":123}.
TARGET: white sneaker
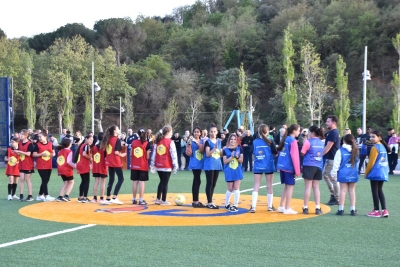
{"x":290,"y":211}
{"x":40,"y":198}
{"x":116,"y":201}
{"x":15,"y":197}
{"x":9,"y":197}
{"x":165,"y":203}
{"x":281,"y":209}
{"x":49,"y":199}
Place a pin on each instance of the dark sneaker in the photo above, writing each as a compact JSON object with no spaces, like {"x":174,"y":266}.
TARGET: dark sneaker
{"x":340,"y":212}
{"x":212,"y":206}
{"x":67,"y":199}
{"x":333,"y":201}
{"x":198,"y":205}
{"x":271,"y":208}
{"x":252,"y":210}
{"x":318,"y":212}
{"x":29,"y":199}
{"x":353,"y":212}
{"x":21,"y":199}
{"x":228,"y":206}
{"x":80,"y":200}
{"x":83,"y":200}
{"x":233,"y":209}
{"x":142,"y":203}
{"x":305,"y":210}
{"x":59,"y":199}
{"x":134,"y":202}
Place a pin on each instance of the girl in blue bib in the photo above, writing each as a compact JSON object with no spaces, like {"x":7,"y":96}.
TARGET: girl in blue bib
{"x":345,"y":169}
{"x":233,"y":158}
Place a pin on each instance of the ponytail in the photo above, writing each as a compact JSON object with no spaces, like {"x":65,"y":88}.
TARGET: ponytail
{"x":263,"y":131}
{"x":288,"y":131}
{"x":66,"y":142}
{"x":161,"y":134}
{"x":349,"y":139}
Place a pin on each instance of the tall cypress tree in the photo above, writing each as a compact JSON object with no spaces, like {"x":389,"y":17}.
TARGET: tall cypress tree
{"x":290,"y":94}
{"x":342,"y":104}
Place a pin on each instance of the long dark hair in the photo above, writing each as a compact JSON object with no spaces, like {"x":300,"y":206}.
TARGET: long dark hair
{"x":349,"y":139}
{"x":142,"y":135}
{"x":100,"y":137}
{"x":161,"y":134}
{"x":263,"y":131}
{"x":288,"y":131}
{"x":76,"y":155}
{"x":109,"y":133}
{"x":379,"y":134}
{"x":319,"y":132}
{"x":66,"y":142}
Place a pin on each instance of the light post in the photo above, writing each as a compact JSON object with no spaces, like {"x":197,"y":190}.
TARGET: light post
{"x":121,"y":110}
{"x":95,"y":87}
{"x":366,"y":76}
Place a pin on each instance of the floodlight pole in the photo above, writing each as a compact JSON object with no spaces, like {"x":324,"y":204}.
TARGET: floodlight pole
{"x":364,"y":122}
{"x":92,"y":97}
{"x":120,"y":114}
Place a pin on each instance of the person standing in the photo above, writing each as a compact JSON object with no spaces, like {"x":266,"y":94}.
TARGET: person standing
{"x":247,"y":146}
{"x":177,"y":140}
{"x":392,"y":156}
{"x":377,"y":172}
{"x":12,"y":168}
{"x":332,"y":145}
{"x":83,"y":159}
{"x":26,"y":165}
{"x":99,"y":170}
{"x":65,"y":167}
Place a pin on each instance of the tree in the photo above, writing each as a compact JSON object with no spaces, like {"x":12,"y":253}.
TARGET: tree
{"x":396,"y":86}
{"x":171,"y":114}
{"x":315,"y":84}
{"x":342,"y":105}
{"x":193,"y":110}
{"x":2,"y":34}
{"x":121,"y":34}
{"x":30,"y":102}
{"x":290,"y":94}
{"x":243,"y":94}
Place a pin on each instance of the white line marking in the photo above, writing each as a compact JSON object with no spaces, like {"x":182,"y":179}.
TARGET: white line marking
{"x":264,"y":186}
{"x":45,"y":236}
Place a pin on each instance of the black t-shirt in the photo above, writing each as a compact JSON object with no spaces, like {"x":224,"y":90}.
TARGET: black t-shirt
{"x":118,"y":146}
{"x":332,"y":136}
{"x":31,"y":147}
{"x":177,"y":142}
{"x":248,"y":140}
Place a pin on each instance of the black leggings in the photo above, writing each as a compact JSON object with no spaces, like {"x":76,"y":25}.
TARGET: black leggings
{"x":111,"y":174}
{"x":212,"y":177}
{"x":162,"y":189}
{"x":45,"y":175}
{"x":196,"y":184}
{"x":84,"y":186}
{"x":377,"y":194}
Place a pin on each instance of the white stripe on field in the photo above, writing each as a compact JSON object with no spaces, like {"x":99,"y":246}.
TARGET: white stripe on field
{"x":264,"y":186}
{"x":45,"y":236}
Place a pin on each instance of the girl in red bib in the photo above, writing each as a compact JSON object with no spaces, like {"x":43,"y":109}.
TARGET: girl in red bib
{"x":112,"y":145}
{"x":83,"y":159}
{"x":99,"y":170}
{"x":65,"y":169}
{"x":12,"y":168}
{"x":43,"y":153}
{"x":141,"y":149}
{"x":26,"y":167}
{"x":164,"y":160}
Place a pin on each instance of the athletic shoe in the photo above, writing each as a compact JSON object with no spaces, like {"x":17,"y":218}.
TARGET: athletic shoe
{"x":165,"y":203}
{"x":227,"y":207}
{"x":66,"y":199}
{"x":252,"y":210}
{"x":15,"y":197}
{"x":281,"y":209}
{"x":212,"y":206}
{"x":271,"y":208}
{"x":134,"y":202}
{"x":142,"y":203}
{"x":391,"y":172}
{"x":198,"y":205}
{"x":9,"y":197}
{"x":87,"y":199}
{"x":353,"y":212}
{"x":59,"y":199}
{"x":116,"y":201}
{"x":107,"y":202}
{"x":93,"y":200}
{"x":29,"y":199}
{"x":84,"y":200}
{"x":49,"y":199}
{"x":102,"y":201}
{"x":340,"y":212}
{"x":21,"y":199}
{"x":233,"y":209}
{"x":40,"y":198}
{"x":80,"y":200}
{"x":333,"y":201}
{"x":385,"y":213}
{"x":374,"y":213}
{"x":290,"y":211}
{"x":305,"y":210}
{"x":157,"y":201}
{"x":318,"y":212}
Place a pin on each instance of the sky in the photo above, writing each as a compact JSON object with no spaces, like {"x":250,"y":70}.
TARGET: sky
{"x":30,"y":17}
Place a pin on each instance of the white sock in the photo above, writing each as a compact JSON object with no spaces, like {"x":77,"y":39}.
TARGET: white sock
{"x":236,"y":194}
{"x":141,"y":199}
{"x":227,"y":197}
{"x":270,"y":200}
{"x":254,"y":197}
{"x":305,"y":207}
{"x":352,"y":207}
{"x":340,"y":207}
{"x":317,"y":207}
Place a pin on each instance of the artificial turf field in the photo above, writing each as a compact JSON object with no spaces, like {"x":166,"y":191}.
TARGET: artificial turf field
{"x":327,"y":240}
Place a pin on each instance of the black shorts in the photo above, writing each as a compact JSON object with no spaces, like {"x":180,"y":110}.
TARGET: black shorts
{"x":97,"y":175}
{"x":263,"y":172}
{"x":27,"y":171}
{"x":312,"y":173}
{"x":139,"y":175}
{"x":67,"y":178}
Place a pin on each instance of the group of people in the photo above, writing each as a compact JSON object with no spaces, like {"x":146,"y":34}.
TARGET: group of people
{"x":212,"y":152}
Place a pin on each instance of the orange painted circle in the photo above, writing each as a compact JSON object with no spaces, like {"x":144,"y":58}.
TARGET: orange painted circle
{"x":156,"y":215}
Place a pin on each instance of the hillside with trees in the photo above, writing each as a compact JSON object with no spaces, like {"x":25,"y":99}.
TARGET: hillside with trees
{"x":302,"y":60}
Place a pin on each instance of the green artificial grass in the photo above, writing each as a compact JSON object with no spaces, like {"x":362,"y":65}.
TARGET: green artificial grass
{"x":327,"y":240}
